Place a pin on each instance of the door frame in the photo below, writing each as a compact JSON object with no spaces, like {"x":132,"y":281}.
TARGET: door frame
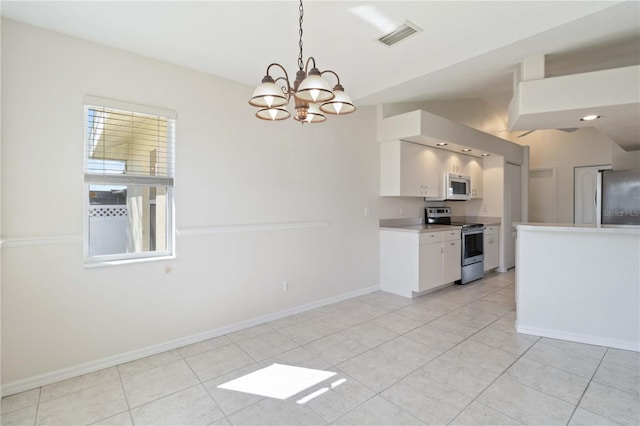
{"x":509,"y":232}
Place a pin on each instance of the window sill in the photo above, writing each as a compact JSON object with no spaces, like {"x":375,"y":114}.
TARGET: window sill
{"x":106,"y":263}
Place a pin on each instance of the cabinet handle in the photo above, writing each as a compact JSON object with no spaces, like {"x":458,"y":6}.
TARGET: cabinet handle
{"x":452,"y":244}
{"x":441,"y":249}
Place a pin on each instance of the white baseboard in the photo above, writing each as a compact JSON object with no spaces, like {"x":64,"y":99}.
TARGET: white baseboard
{"x":580,"y":338}
{"x":89,"y":367}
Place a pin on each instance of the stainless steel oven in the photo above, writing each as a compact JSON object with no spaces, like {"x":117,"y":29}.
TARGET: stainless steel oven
{"x":472,"y":244}
{"x":472,"y":253}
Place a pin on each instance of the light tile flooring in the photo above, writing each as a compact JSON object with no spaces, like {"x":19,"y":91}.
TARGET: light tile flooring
{"x":451,"y":357}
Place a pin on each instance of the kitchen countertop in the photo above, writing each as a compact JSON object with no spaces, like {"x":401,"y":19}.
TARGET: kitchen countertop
{"x":417,"y":224}
{"x":420,"y":228}
{"x":485,"y":220}
{"x":412,"y":224}
{"x":570,"y":227}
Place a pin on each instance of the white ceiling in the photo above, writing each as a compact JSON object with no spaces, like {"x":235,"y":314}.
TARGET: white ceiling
{"x":467,"y":49}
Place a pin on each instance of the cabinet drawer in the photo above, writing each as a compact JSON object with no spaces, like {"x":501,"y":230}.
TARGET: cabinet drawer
{"x":490,"y":230}
{"x":431,"y":237}
{"x":453,"y":234}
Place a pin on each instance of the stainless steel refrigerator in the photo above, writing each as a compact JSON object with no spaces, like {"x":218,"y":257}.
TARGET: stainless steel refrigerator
{"x":618,"y":197}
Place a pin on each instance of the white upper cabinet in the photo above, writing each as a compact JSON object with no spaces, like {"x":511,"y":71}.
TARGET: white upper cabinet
{"x":475,"y":170}
{"x":410,"y":170}
{"x":454,"y":163}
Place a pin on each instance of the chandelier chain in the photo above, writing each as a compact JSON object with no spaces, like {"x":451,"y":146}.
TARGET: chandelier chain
{"x":300,"y":61}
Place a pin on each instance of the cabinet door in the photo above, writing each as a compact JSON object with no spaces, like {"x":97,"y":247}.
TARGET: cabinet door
{"x":491,"y":251}
{"x":430,"y":269}
{"x":475,"y":171}
{"x":412,"y":170}
{"x":433,"y":176}
{"x":452,"y":261}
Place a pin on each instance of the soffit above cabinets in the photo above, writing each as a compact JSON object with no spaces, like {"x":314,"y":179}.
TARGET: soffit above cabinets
{"x":560,"y":102}
{"x":428,"y":129}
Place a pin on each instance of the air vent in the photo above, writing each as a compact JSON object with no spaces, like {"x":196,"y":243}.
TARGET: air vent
{"x":403,"y":31}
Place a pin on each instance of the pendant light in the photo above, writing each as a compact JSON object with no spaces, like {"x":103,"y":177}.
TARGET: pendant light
{"x":312,"y":94}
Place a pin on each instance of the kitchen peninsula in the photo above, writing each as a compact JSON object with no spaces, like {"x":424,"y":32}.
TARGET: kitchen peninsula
{"x":579,"y":283}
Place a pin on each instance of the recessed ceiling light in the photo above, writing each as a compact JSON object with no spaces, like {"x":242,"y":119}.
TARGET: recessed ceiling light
{"x":485,"y":155}
{"x":590,"y":117}
{"x":441,"y":144}
{"x":466,"y":150}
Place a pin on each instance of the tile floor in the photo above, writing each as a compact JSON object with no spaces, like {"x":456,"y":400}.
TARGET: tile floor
{"x":451,"y":357}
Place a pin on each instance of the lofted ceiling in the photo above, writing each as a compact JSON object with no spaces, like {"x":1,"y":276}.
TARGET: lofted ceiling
{"x":465,"y":49}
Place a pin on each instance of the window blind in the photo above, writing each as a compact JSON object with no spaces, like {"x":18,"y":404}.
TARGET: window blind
{"x":127,"y":147}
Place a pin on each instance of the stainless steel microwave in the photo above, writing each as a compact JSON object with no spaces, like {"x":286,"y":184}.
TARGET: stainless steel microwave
{"x":458,"y":187}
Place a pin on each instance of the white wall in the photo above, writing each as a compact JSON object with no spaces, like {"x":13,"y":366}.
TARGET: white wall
{"x":565,"y":151}
{"x":625,"y":160}
{"x":231,"y":169}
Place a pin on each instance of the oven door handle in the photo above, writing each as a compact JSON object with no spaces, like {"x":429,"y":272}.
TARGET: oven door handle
{"x":473,"y":232}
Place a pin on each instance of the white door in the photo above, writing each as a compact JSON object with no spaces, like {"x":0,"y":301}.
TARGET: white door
{"x":542,"y":195}
{"x":513,"y":211}
{"x":584,"y":190}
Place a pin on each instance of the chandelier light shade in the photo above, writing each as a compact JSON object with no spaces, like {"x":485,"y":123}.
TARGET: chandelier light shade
{"x":314,"y":88}
{"x":312,"y":94}
{"x":268,"y":95}
{"x":341,"y":104}
{"x":273,"y":114}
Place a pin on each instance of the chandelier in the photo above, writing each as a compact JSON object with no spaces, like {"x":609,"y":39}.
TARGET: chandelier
{"x":312,"y":94}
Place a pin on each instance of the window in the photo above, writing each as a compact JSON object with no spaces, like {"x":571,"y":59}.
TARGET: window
{"x":128,"y":176}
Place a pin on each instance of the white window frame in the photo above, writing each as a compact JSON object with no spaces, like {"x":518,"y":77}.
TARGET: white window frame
{"x":160,"y":181}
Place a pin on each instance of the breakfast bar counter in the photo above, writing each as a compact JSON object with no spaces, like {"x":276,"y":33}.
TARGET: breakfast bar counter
{"x":579,"y":283}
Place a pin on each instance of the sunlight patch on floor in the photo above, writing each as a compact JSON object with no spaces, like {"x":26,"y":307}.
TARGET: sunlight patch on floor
{"x":278,"y":381}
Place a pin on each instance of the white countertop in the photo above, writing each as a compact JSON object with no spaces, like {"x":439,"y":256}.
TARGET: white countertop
{"x":417,"y":225}
{"x":570,"y":227}
{"x":420,"y":228}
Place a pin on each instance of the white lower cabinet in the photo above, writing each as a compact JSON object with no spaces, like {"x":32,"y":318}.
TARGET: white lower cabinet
{"x":491,"y":248}
{"x":413,"y":263}
{"x":430,"y":267}
{"x":452,"y":260}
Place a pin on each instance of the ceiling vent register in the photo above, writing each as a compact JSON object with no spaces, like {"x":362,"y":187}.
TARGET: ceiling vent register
{"x":402,"y":32}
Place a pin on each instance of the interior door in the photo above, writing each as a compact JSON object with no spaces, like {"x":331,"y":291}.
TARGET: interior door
{"x":513,"y":211}
{"x":584,"y":193}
